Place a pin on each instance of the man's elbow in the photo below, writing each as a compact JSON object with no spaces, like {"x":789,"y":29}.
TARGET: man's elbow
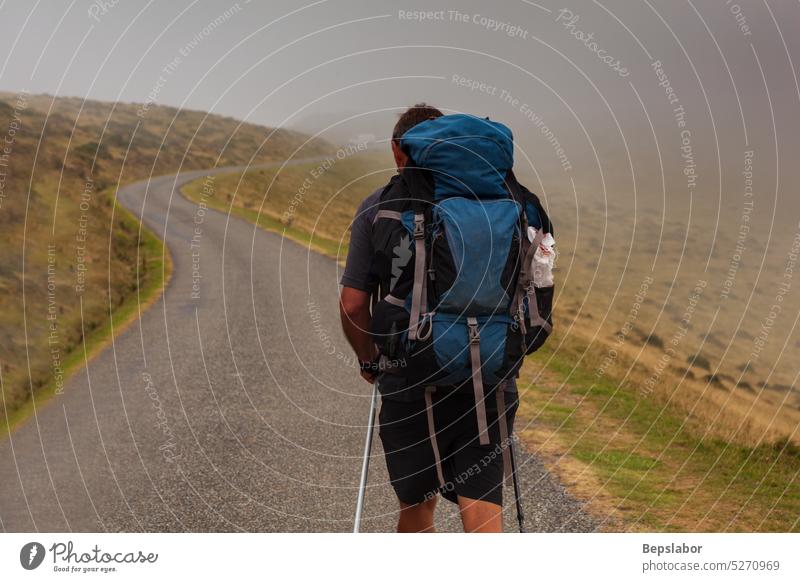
{"x":353,"y":303}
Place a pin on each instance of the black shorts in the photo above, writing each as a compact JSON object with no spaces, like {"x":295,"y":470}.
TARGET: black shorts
{"x":469,"y":469}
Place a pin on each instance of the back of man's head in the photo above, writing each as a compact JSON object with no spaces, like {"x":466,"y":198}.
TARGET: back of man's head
{"x":412,"y":116}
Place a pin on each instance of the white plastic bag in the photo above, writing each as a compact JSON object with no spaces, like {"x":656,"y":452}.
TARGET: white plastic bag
{"x":543,"y":259}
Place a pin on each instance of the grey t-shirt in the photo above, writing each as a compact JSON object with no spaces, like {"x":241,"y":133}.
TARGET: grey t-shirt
{"x":358,"y":272}
{"x":358,"y":269}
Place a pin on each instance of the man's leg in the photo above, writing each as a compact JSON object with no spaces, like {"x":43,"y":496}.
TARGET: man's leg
{"x":417,"y":518}
{"x":410,"y":462}
{"x":480,"y":467}
{"x":480,"y":516}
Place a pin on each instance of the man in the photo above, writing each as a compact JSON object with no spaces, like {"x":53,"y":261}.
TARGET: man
{"x":472,"y":473}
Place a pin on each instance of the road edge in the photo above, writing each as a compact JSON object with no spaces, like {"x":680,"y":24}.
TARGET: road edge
{"x":99,"y":339}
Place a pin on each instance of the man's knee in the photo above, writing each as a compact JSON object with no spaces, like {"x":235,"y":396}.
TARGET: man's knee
{"x":416,"y":518}
{"x":480,"y":516}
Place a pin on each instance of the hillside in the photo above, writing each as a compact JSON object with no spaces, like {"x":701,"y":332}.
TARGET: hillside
{"x":312,"y":203}
{"x":70,"y":258}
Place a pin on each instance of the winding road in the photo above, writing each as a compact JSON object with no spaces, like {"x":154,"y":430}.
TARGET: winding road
{"x":231,"y":404}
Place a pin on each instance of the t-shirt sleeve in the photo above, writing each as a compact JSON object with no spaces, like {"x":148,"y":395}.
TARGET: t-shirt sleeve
{"x":358,"y":268}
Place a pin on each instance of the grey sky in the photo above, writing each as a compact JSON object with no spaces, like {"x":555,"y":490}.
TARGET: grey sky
{"x":310,"y":65}
{"x":122,"y":55}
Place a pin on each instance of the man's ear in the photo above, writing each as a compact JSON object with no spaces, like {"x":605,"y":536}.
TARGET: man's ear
{"x":400,"y":158}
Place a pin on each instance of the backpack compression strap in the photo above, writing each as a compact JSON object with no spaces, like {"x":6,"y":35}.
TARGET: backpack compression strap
{"x":429,"y":390}
{"x":419,"y":293}
{"x":477,"y":379}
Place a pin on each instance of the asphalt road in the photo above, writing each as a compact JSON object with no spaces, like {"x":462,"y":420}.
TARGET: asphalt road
{"x":232,"y":404}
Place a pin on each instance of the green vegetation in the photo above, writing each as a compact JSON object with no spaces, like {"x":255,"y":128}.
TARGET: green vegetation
{"x":645,"y":464}
{"x":71,"y":259}
{"x":151,"y":280}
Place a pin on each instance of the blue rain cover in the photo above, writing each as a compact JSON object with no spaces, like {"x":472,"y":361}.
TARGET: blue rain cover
{"x":452,"y":346}
{"x":468,"y":156}
{"x":479,"y":234}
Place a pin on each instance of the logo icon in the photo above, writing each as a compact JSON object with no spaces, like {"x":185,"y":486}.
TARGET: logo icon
{"x":31,"y":555}
{"x":402,"y":254}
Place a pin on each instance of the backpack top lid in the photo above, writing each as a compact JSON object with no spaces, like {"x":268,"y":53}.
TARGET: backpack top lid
{"x":467,"y":155}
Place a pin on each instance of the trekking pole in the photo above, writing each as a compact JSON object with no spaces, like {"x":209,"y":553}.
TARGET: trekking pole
{"x":517,"y":496}
{"x":362,"y":487}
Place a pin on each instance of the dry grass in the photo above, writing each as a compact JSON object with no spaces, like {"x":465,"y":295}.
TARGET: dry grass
{"x":57,"y":211}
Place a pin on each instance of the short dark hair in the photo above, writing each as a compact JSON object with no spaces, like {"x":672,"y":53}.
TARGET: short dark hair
{"x":412,"y":116}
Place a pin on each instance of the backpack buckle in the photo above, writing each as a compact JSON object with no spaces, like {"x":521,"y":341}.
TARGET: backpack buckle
{"x":419,"y":225}
{"x":474,"y":334}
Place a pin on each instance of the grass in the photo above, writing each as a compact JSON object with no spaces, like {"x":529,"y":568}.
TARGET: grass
{"x":642,"y":465}
{"x":320,"y":217}
{"x":667,"y":461}
{"x":324,"y":246}
{"x":150,"y":285}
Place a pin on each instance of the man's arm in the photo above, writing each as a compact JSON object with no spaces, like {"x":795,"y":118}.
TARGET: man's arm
{"x":354,"y":309}
{"x":358,"y":284}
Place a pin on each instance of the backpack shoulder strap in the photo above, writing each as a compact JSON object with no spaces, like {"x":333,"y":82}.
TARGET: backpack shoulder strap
{"x":534,"y":210}
{"x":420,"y":189}
{"x":419,"y":185}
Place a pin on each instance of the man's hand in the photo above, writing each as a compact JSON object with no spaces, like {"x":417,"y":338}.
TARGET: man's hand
{"x":369,"y":369}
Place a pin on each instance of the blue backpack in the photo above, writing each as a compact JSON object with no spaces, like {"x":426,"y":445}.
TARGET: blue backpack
{"x":454,"y":262}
